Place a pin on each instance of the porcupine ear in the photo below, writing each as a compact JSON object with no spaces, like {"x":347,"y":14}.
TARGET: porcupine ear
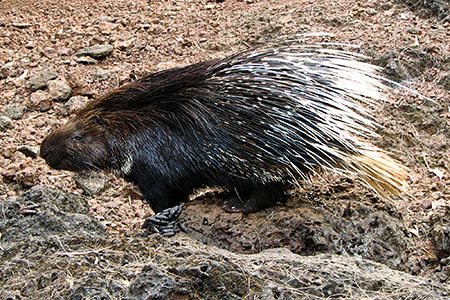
{"x":100,"y":121}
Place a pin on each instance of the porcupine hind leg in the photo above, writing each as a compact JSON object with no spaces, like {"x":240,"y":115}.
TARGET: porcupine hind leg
{"x":165,"y":202}
{"x":255,"y":197}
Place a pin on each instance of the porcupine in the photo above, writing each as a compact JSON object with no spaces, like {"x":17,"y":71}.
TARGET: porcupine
{"x":251,"y":123}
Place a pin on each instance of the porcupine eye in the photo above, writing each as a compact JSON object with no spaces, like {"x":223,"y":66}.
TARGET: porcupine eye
{"x":77,"y":138}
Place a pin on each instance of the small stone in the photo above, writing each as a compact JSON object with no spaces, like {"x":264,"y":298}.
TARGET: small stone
{"x":100,"y":75}
{"x":40,"y":100}
{"x":107,"y":19}
{"x":426,"y":204}
{"x":59,"y":90}
{"x":40,"y":80}
{"x":86,"y":60}
{"x":145,"y":26}
{"x":5,"y":70}
{"x":123,"y":45}
{"x":27,"y":176}
{"x":21,"y":25}
{"x":10,"y":171}
{"x":441,"y":238}
{"x":95,"y":51}
{"x":92,"y":183}
{"x":75,"y":103}
{"x":5,"y":123}
{"x":372,"y":11}
{"x":212,"y":46}
{"x":445,"y":81}
{"x":124,"y":77}
{"x":29,"y":45}
{"x":404,"y":16}
{"x":412,"y":30}
{"x":13,"y":111}
{"x":28,"y":151}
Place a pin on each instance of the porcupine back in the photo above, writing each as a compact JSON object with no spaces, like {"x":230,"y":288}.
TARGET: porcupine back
{"x":272,"y":113}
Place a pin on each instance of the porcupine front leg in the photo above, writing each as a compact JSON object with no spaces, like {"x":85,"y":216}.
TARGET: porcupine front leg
{"x":255,"y":197}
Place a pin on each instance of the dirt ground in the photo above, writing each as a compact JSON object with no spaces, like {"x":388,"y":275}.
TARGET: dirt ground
{"x":410,"y":43}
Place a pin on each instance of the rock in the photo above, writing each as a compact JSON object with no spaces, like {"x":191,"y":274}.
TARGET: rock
{"x":413,"y":30}
{"x":96,"y":51}
{"x":86,"y":60}
{"x":75,"y":103}
{"x":21,"y":25}
{"x":123,"y":45}
{"x":13,"y":111}
{"x":5,"y":123}
{"x":100,"y":75}
{"x":29,"y":45}
{"x":46,"y":228}
{"x":107,"y":19}
{"x":40,"y":80}
{"x":12,"y":69}
{"x":28,"y":151}
{"x":26,"y":176}
{"x":371,"y":11}
{"x":59,"y":90}
{"x":441,"y":238}
{"x":445,"y":81}
{"x":5,"y":70}
{"x":40,"y":100}
{"x":91,"y":183}
{"x":426,"y":204}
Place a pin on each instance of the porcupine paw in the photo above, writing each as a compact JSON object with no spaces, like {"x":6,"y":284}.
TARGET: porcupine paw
{"x":256,"y":198}
{"x":165,"y":222}
{"x":234,"y":206}
{"x":238,"y":202}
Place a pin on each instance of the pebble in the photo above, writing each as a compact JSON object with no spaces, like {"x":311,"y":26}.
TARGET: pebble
{"x":95,"y":51}
{"x":21,"y":25}
{"x":107,"y":19}
{"x":426,"y":204}
{"x":92,"y":183}
{"x":13,"y":111}
{"x":123,"y":45}
{"x":445,"y":82}
{"x":28,"y":151}
{"x":5,"y":123}
{"x":371,"y":11}
{"x":75,"y":103}
{"x":100,"y":75}
{"x":412,"y":30}
{"x":6,"y":70}
{"x":40,"y":80}
{"x":40,"y":100}
{"x":86,"y":60}
{"x":59,"y":90}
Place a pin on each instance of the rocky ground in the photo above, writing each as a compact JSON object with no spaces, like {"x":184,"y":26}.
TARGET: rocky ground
{"x":87,"y":243}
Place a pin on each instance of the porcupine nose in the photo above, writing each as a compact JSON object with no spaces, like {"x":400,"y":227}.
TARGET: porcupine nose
{"x":45,"y":149}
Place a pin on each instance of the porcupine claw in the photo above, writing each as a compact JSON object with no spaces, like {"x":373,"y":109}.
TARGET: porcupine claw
{"x":165,"y":222}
